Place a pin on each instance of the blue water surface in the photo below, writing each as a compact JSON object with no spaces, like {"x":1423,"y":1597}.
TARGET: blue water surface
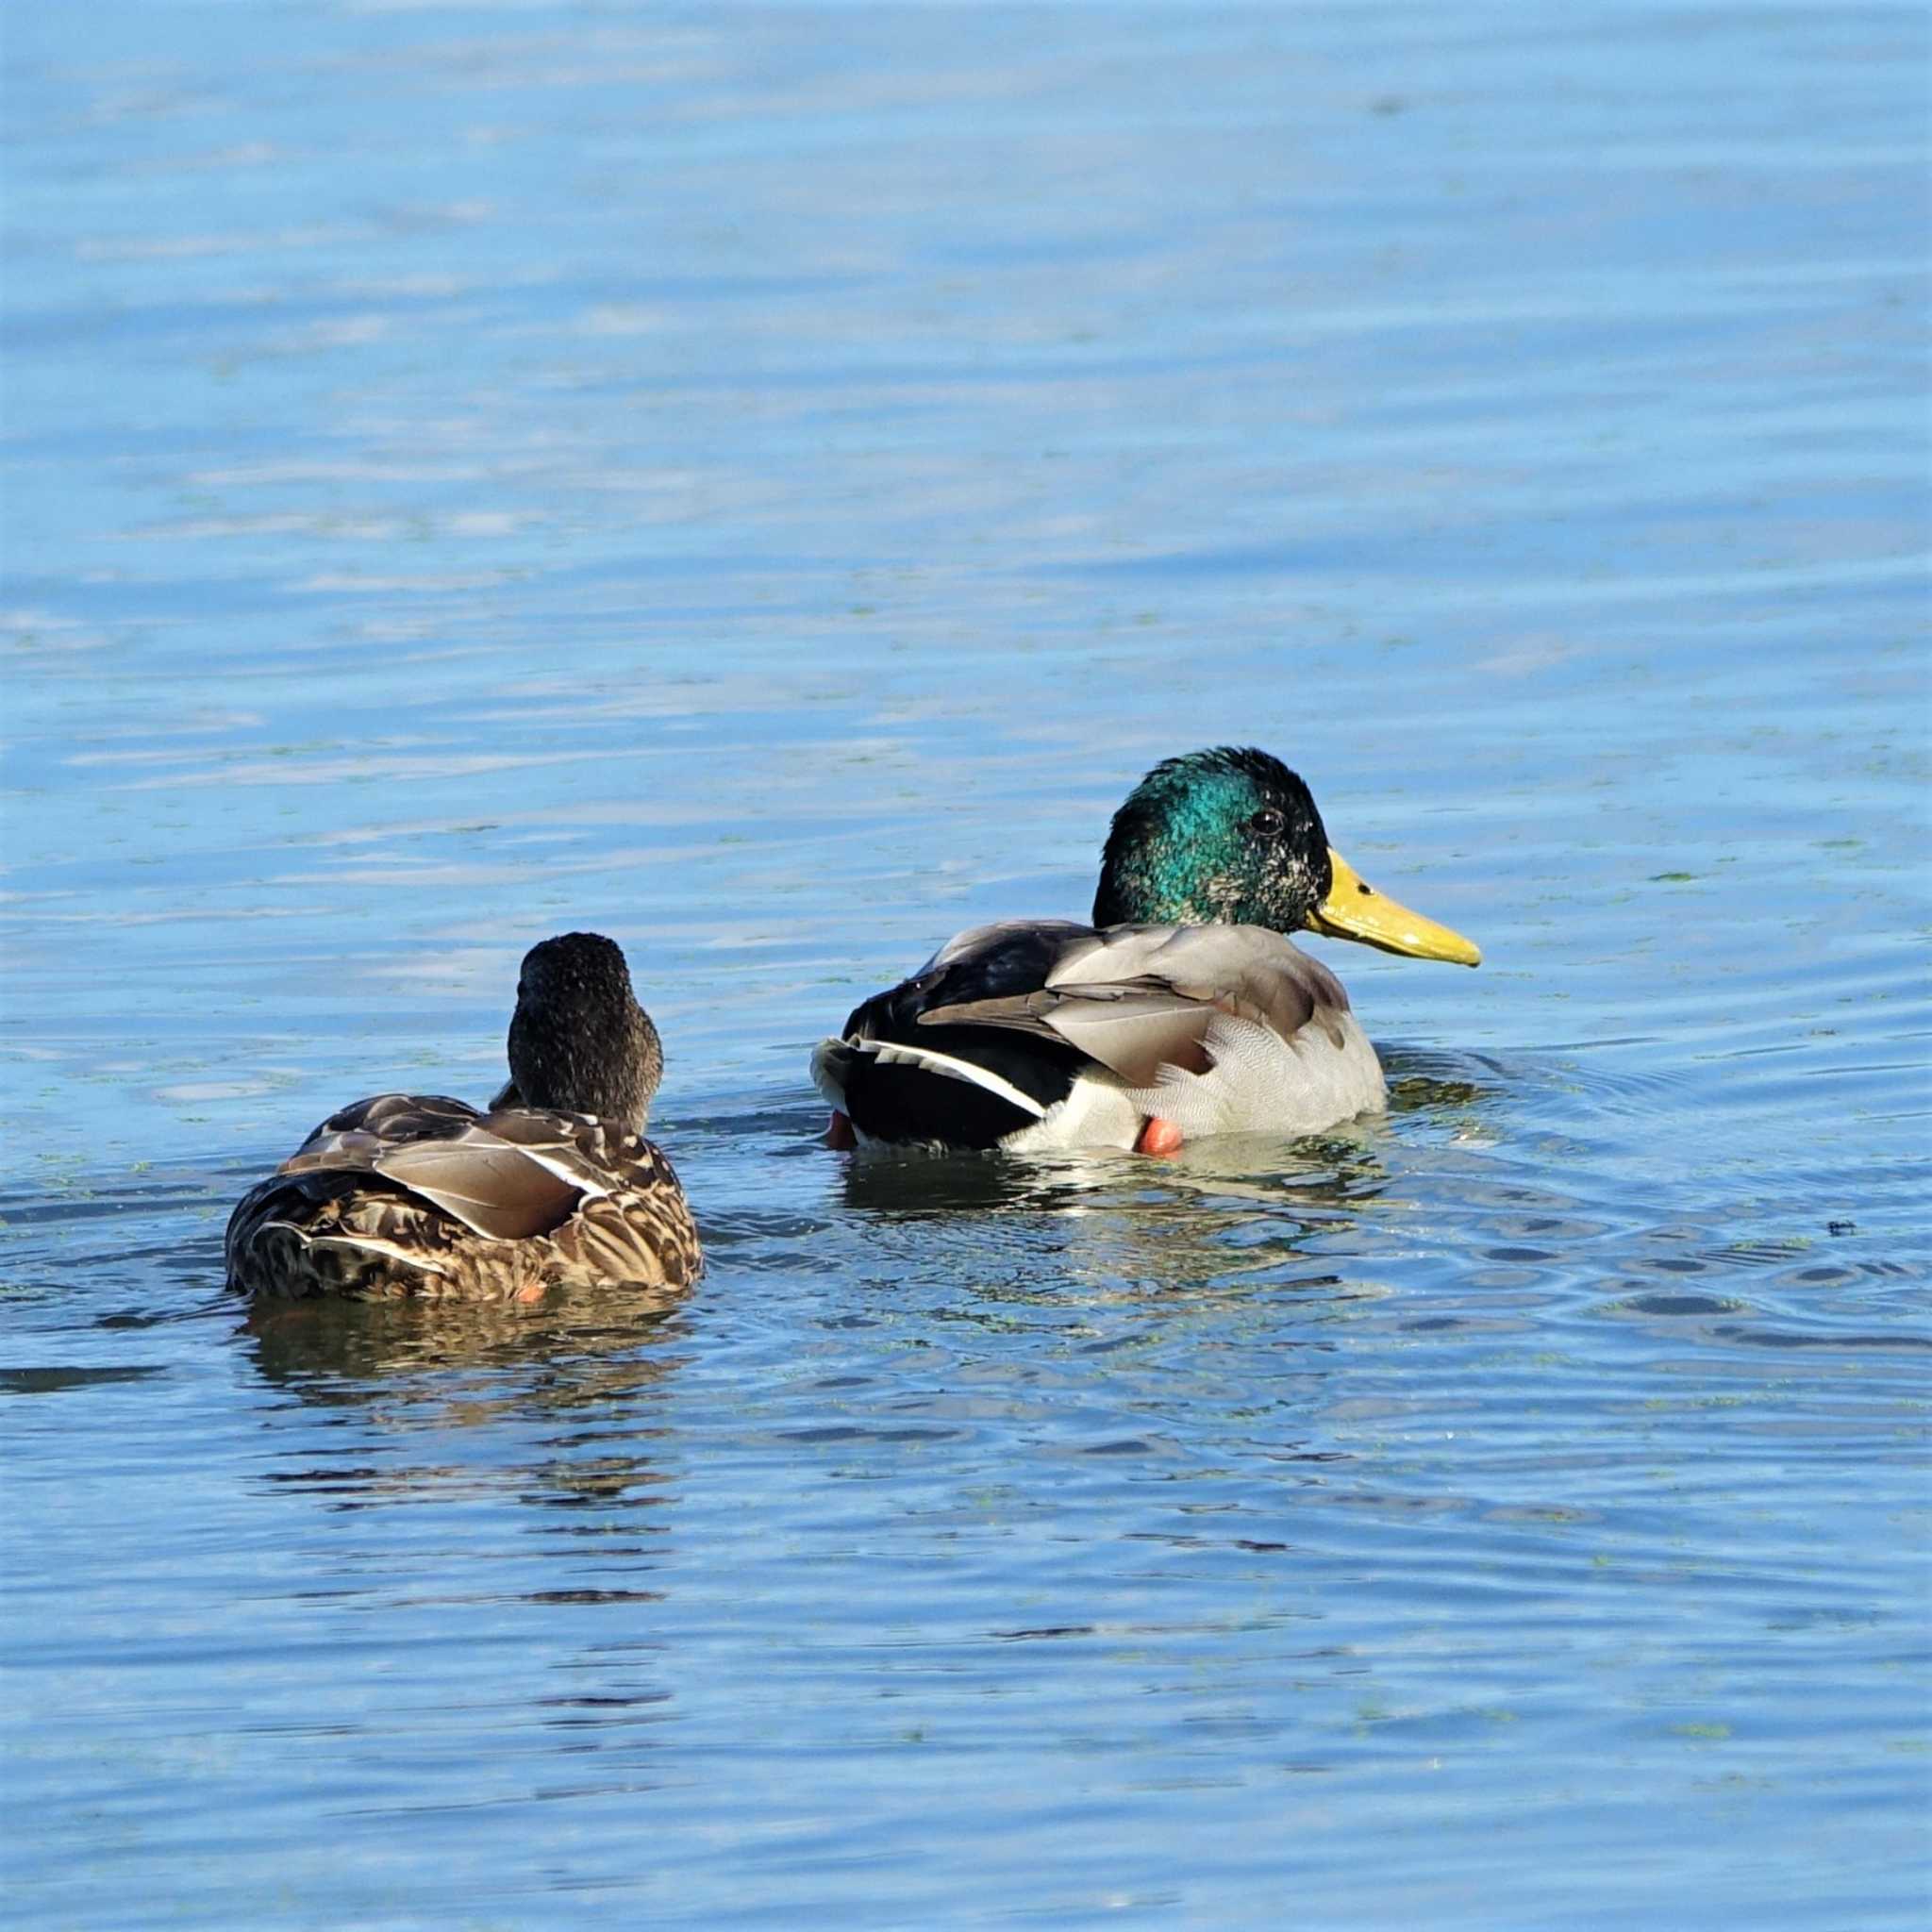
{"x":763,"y":483}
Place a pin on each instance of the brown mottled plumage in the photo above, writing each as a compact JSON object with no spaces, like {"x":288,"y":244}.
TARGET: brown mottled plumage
{"x":419,"y":1194}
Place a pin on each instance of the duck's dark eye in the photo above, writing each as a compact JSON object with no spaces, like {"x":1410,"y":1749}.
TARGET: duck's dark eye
{"x":1267,"y":822}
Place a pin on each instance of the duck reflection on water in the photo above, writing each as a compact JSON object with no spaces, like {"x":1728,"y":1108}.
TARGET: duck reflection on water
{"x":403,"y":1373}
{"x":1223,"y":1215}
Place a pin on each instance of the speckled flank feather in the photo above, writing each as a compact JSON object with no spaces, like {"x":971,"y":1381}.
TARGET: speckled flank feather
{"x":592,"y":1204}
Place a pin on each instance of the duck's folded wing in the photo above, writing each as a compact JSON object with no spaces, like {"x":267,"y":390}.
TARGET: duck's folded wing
{"x":1004,"y":960}
{"x":489,"y":1184}
{"x":1134,"y":1028}
{"x":1139,"y":998}
{"x":593,"y":1155}
{"x":354,"y":1135}
{"x":1248,"y":971}
{"x":521,"y":1170}
{"x":510,"y":1174}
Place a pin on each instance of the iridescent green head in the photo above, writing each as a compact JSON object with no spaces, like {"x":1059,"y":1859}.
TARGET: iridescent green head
{"x":1216,"y":838}
{"x":1232,"y":838}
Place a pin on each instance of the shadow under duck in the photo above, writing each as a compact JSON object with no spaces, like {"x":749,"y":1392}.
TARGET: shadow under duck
{"x":1184,"y":1010}
{"x":553,"y":1185}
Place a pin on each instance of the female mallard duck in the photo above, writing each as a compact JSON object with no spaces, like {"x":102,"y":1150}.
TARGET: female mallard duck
{"x":416,"y":1194}
{"x":1183,"y":1009}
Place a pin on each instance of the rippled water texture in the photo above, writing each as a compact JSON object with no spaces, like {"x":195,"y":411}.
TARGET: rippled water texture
{"x":762,"y":484}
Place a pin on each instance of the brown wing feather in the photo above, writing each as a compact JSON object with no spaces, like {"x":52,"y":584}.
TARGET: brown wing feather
{"x":489,"y":1186}
{"x":421,"y":1195}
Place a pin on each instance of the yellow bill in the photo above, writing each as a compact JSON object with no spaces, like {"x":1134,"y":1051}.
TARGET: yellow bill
{"x":1355,"y":910}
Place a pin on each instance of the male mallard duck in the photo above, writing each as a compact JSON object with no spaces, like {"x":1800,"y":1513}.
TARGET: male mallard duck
{"x":1183,"y":1009}
{"x":418,"y":1194}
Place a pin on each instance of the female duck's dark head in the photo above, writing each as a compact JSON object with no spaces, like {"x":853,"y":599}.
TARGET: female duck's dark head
{"x":578,"y":1041}
{"x":1232,"y":837}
